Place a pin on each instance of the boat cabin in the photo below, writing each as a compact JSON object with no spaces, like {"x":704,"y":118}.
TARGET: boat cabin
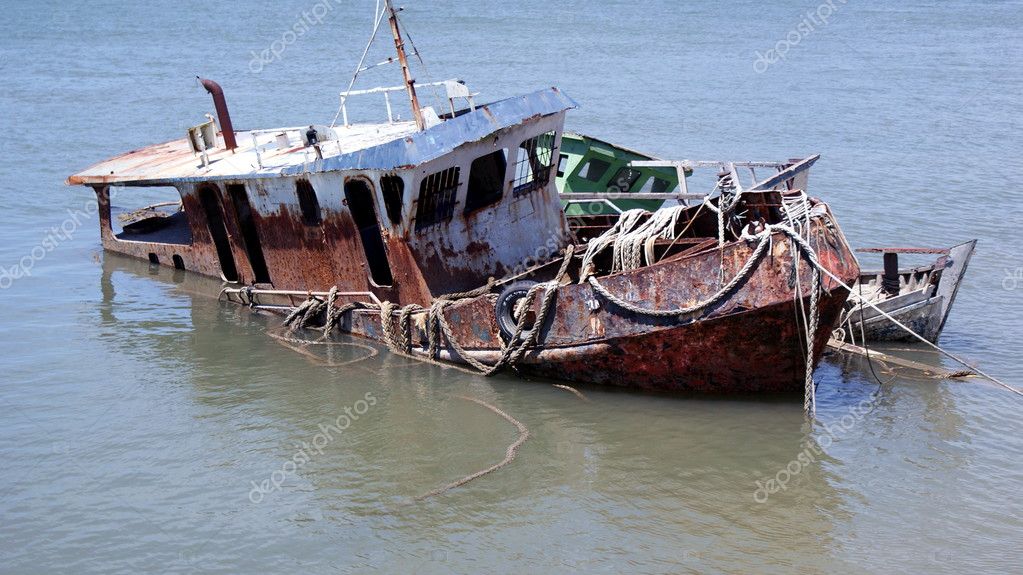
{"x":403,"y":212}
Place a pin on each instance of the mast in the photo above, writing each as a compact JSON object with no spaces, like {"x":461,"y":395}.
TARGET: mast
{"x":410,"y":83}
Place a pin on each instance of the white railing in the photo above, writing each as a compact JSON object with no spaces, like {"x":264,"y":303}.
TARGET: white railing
{"x":783,"y":170}
{"x":454,"y":89}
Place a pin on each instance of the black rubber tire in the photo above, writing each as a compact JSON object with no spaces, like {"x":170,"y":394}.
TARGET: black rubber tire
{"x":506,"y":305}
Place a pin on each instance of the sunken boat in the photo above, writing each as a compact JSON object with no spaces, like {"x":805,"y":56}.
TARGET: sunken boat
{"x":445,"y":238}
{"x":920,"y":297}
{"x":598,"y":177}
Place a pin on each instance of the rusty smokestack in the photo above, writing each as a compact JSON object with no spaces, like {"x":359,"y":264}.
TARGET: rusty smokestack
{"x":223,"y":116}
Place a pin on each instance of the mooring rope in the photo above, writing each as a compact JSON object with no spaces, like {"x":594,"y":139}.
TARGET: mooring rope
{"x":866,"y":346}
{"x":809,"y":389}
{"x":299,"y":311}
{"x":335,"y":315}
{"x":521,"y":339}
{"x":811,"y":256}
{"x":509,"y":453}
{"x":399,"y":340}
{"x":626,"y":223}
{"x":741,"y":276}
{"x":797,"y":208}
{"x":678,"y":236}
{"x":632,"y":238}
{"x":765,"y":241}
{"x":386,"y":315}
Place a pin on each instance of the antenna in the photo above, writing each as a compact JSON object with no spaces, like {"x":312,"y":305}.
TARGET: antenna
{"x":410,"y":83}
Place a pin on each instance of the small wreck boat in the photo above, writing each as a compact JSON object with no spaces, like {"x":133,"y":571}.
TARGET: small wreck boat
{"x":608,"y":179}
{"x":445,"y":238}
{"x":919,"y":297}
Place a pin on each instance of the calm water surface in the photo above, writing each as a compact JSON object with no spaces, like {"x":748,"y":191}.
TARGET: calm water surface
{"x":139,"y":413}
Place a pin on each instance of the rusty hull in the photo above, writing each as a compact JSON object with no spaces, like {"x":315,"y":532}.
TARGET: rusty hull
{"x":750,"y":342}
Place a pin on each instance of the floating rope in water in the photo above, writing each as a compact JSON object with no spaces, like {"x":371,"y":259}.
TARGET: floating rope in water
{"x":285,"y":340}
{"x":572,"y":390}
{"x":509,"y":453}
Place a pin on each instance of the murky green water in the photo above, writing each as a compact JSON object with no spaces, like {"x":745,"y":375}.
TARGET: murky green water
{"x":149,"y":428}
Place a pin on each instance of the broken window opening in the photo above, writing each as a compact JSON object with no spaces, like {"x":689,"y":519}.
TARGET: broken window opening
{"x":436,"y":202}
{"x":656,"y":185}
{"x":593,"y":169}
{"x":393,"y":189}
{"x":623,"y":180}
{"x":308,"y":203}
{"x":562,"y":164}
{"x":486,"y":180}
{"x":149,"y":214}
{"x":534,"y":164}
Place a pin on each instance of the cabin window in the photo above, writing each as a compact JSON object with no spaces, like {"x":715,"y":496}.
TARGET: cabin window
{"x":623,"y":180}
{"x":663,"y":186}
{"x":533,"y":167}
{"x":437,"y":198}
{"x":594,"y":169}
{"x":562,"y":164}
{"x":393,"y":188}
{"x":486,"y":180}
{"x":308,"y":203}
{"x":655,"y":185}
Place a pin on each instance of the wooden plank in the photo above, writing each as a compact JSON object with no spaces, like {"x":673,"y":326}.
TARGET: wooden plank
{"x":930,"y":370}
{"x":902,"y":250}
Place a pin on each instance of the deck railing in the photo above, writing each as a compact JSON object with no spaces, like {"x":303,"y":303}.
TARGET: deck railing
{"x":454,"y":89}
